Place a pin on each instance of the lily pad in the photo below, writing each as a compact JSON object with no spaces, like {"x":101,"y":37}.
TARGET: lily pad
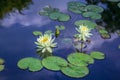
{"x":118,"y":4}
{"x":76,"y":7}
{"x":59,"y":16}
{"x":94,"y":8}
{"x":2,"y":67}
{"x":104,"y":34}
{"x":37,"y":33}
{"x":54,"y":63}
{"x":54,"y":16}
{"x":30,"y":63}
{"x":75,"y":71}
{"x":1,"y":61}
{"x":48,"y":10}
{"x":114,"y":0}
{"x":64,"y":17}
{"x":92,"y":15}
{"x":88,"y":23}
{"x":80,"y":59}
{"x":97,"y":55}
{"x":60,"y":27}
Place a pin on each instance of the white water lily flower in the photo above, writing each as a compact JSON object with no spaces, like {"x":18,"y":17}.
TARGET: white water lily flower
{"x":45,"y":43}
{"x":84,"y":32}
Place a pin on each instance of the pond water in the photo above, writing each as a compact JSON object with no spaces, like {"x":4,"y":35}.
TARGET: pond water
{"x":17,"y":40}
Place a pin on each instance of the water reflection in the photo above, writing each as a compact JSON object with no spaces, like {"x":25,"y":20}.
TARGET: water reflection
{"x":10,"y":6}
{"x":110,"y":16}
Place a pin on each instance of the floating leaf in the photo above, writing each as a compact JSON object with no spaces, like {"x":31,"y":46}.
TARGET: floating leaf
{"x":54,"y":63}
{"x":66,"y":40}
{"x":114,"y":0}
{"x":76,"y":7}
{"x":92,"y":15}
{"x":54,"y":16}
{"x":1,"y":61}
{"x":75,"y":71}
{"x":80,"y":59}
{"x":37,"y":33}
{"x":64,"y":17}
{"x":32,"y":64}
{"x":59,"y":16}
{"x":97,"y":55}
{"x":118,"y":4}
{"x":104,"y":34}
{"x":48,"y":32}
{"x":94,"y":8}
{"x":48,"y":10}
{"x":2,"y":67}
{"x":89,"y":24}
{"x":119,"y":47}
{"x":60,"y":27}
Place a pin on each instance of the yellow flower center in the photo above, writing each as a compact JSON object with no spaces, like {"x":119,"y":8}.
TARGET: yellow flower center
{"x":84,"y":29}
{"x":44,"y":40}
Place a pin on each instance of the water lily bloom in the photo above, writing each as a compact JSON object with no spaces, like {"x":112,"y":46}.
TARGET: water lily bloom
{"x":45,"y":43}
{"x":84,"y":32}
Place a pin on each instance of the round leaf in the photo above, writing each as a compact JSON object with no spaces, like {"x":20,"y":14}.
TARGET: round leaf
{"x":89,"y":24}
{"x":80,"y":59}
{"x":64,"y":17}
{"x":97,"y":55}
{"x":92,"y":15}
{"x":94,"y":8}
{"x":76,"y":7}
{"x":54,"y":63}
{"x":75,"y":71}
{"x":54,"y":16}
{"x":32,"y":64}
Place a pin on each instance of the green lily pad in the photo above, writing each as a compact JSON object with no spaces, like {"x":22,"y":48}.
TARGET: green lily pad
{"x":64,"y":17}
{"x":59,"y":16}
{"x":60,"y":27}
{"x":37,"y":33}
{"x":104,"y":34}
{"x":30,"y":63}
{"x":118,"y":4}
{"x":97,"y":55}
{"x":114,"y":0}
{"x":54,"y":16}
{"x":48,"y":10}
{"x":76,"y":7}
{"x":80,"y":59}
{"x":92,"y":15}
{"x":54,"y":63}
{"x":1,"y":61}
{"x":2,"y":67}
{"x":75,"y":71}
{"x":88,"y":23}
{"x":94,"y":8}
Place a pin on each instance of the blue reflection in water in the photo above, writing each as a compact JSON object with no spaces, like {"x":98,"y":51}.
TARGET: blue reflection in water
{"x":17,"y":42}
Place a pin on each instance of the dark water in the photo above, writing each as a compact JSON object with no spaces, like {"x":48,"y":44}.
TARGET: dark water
{"x":17,"y":41}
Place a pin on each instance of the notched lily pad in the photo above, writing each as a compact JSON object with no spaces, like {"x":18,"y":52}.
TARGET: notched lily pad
{"x":75,"y":71}
{"x":88,"y":23}
{"x":80,"y":59}
{"x":30,"y":63}
{"x":97,"y":55}
{"x":92,"y":15}
{"x":76,"y":7}
{"x":54,"y":63}
{"x":94,"y":8}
